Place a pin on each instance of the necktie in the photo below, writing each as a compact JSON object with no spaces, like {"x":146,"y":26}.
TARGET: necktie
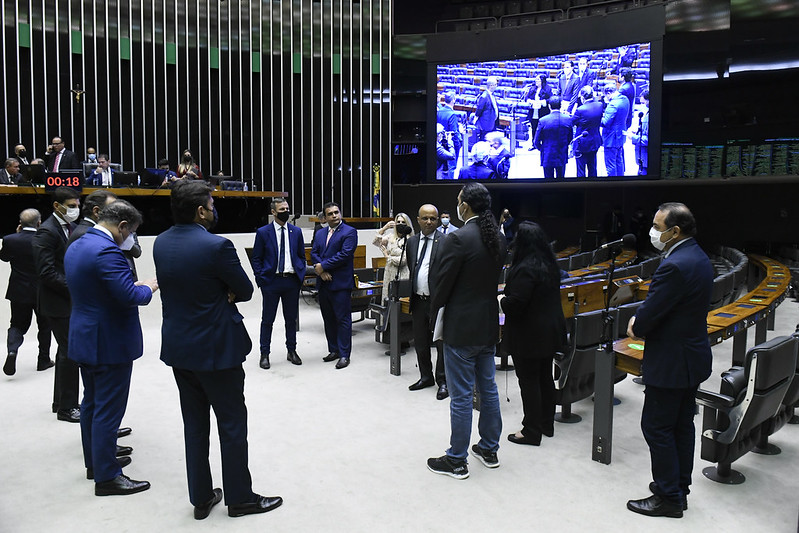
{"x":57,"y":162}
{"x":329,"y":234}
{"x":444,"y":230}
{"x":421,"y":256}
{"x":281,"y":260}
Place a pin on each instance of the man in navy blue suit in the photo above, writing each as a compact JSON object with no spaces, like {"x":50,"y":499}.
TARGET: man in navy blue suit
{"x":486,"y":111}
{"x":587,"y":139}
{"x":278,"y":261}
{"x":552,"y":138}
{"x":332,"y":256}
{"x":204,"y":340}
{"x":677,"y":357}
{"x":614,"y":122}
{"x":103,"y":175}
{"x":447,"y":117}
{"x":104,"y":338}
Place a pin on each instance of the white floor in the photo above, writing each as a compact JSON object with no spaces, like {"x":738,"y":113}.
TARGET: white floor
{"x":347,"y":449}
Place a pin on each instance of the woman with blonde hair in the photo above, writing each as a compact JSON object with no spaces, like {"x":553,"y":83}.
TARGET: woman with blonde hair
{"x":391,"y":242}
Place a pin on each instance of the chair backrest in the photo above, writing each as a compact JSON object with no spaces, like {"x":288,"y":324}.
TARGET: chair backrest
{"x":626,"y":312}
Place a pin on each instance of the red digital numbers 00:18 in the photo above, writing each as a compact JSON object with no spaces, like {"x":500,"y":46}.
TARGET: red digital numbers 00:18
{"x":58,"y":181}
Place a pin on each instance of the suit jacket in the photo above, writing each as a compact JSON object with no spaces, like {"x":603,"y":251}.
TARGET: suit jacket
{"x":530,"y":93}
{"x":264,"y":253}
{"x":534,"y":323}
{"x":614,"y":121}
{"x":336,"y":257}
{"x":69,"y":161}
{"x":568,"y":90}
{"x":485,"y":113}
{"x":104,"y":327}
{"x":412,"y":252}
{"x":552,"y":138}
{"x":673,"y":320}
{"x":586,"y":120}
{"x":18,"y":250}
{"x":450,"y":229}
{"x":477,"y":171}
{"x":96,"y":179}
{"x":8,"y":179}
{"x":49,"y":247}
{"x":467,"y":285}
{"x":628,"y":89}
{"x":196,"y":271}
{"x":448,"y":118}
{"x":588,"y":78}
{"x":80,"y":230}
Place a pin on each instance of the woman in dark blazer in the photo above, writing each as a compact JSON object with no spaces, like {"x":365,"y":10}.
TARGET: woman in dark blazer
{"x":534,"y":329}
{"x":537,"y":95}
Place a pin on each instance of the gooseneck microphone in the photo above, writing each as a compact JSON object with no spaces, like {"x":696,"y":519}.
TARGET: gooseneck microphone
{"x":628,"y":241}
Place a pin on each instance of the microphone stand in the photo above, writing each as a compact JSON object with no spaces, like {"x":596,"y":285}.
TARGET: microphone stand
{"x":393,"y":318}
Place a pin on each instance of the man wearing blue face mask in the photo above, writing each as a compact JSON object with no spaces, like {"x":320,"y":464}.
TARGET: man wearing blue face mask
{"x":446,"y":227}
{"x":677,"y":358}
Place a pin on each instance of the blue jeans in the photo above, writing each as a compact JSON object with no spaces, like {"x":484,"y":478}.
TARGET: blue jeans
{"x":466,"y":366}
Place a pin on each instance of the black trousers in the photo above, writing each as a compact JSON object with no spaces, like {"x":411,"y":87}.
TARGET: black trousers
{"x":423,"y":340}
{"x":21,"y":318}
{"x":538,"y":396}
{"x":65,"y":387}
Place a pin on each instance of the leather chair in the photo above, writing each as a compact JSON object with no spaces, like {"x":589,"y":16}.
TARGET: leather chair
{"x":783,"y":415}
{"x":733,"y":418}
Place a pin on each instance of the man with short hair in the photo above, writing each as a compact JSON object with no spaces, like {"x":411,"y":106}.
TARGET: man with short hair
{"x":585,"y":78}
{"x":552,"y":138}
{"x":448,"y":118}
{"x":49,"y":247}
{"x":278,"y":262}
{"x":92,"y":205}
{"x":568,"y":85}
{"x":640,"y":138}
{"x":204,"y":340}
{"x":446,"y":226}
{"x":103,"y":175}
{"x":105,"y":338}
{"x":587,"y":138}
{"x":332,"y":256}
{"x":486,"y":112}
{"x":21,"y":154}
{"x":18,"y":250}
{"x":677,"y":357}
{"x":59,"y":158}
{"x":10,"y":174}
{"x":479,"y":169}
{"x":614,"y":122}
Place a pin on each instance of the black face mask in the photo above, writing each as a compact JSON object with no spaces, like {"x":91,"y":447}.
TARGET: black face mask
{"x":216,"y":219}
{"x":283,"y":216}
{"x":187,"y":159}
{"x":22,"y":154}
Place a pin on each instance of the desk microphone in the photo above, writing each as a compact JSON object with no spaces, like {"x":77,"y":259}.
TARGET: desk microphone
{"x":628,"y":241}
{"x":295,"y":218}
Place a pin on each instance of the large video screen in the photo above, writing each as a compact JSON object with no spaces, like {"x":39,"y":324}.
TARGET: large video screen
{"x":580,"y":115}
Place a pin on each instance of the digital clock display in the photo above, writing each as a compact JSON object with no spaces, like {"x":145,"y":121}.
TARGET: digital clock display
{"x":73,"y":180}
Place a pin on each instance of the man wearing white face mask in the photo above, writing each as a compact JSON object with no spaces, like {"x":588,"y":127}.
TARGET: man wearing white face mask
{"x":49,"y":247}
{"x":446,"y":227}
{"x":677,"y":358}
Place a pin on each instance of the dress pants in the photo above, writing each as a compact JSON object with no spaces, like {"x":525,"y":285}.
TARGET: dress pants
{"x":555,"y":172}
{"x":105,"y":398}
{"x":614,"y":160}
{"x":65,"y":387}
{"x":586,"y":160}
{"x":224,"y":391}
{"x":538,"y":396}
{"x":667,"y":422}
{"x":337,"y":315}
{"x":21,"y":318}
{"x":423,"y":340}
{"x":284,"y":289}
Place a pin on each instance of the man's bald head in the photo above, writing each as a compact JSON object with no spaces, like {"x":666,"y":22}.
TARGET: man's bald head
{"x":30,"y":218}
{"x":427,"y":219}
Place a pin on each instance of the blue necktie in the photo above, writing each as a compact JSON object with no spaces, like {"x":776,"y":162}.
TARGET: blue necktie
{"x":281,"y":260}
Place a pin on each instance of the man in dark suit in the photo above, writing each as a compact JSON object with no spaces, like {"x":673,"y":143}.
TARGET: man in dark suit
{"x":568,"y":84}
{"x":614,"y":122}
{"x":49,"y":247}
{"x":103,"y":175}
{"x":332,"y":256}
{"x":278,"y":261}
{"x":628,"y":89}
{"x":585,"y":78}
{"x":479,"y":169}
{"x":105,"y":337}
{"x":10,"y":174}
{"x":470,"y":263}
{"x":18,"y":250}
{"x":552,"y":138}
{"x":486,"y":112}
{"x":423,"y":263}
{"x":677,"y":357}
{"x":204,"y":340}
{"x":92,"y":205}
{"x":21,"y":154}
{"x":447,"y":117}
{"x":59,"y":158}
{"x":587,"y":138}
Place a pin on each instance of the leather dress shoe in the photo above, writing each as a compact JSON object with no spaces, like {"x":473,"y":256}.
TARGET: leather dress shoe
{"x":524,"y":440}
{"x":655,"y":506}
{"x":332,"y":356}
{"x":69,"y":415}
{"x":120,"y":486}
{"x":262,"y":504}
{"x":124,"y":450}
{"x":344,"y":362}
{"x":43,"y":363}
{"x":653,"y":488}
{"x":442,"y":393}
{"x":202,"y":511}
{"x":124,"y":432}
{"x":293,"y":358}
{"x":421,"y":384}
{"x":10,"y":368}
{"x":265,"y":362}
{"x":123,"y":462}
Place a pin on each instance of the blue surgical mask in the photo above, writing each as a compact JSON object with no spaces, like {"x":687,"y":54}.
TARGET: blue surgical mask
{"x":92,"y":157}
{"x":445,"y":221}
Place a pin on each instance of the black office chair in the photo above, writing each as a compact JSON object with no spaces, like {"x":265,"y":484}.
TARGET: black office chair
{"x":733,"y":418}
{"x":783,"y":415}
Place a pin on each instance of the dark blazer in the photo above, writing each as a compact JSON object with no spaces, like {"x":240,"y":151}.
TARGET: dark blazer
{"x":412,"y":252}
{"x":7,"y":179}
{"x":467,"y":285}
{"x":196,"y":271}
{"x":500,"y":163}
{"x":264,"y":253}
{"x":447,"y":117}
{"x":80,"y":230}
{"x":628,"y":89}
{"x":96,"y":179}
{"x":336,"y":257}
{"x":18,"y":250}
{"x":69,"y":161}
{"x":484,"y":111}
{"x":586,"y":119}
{"x":49,"y":247}
{"x":552,"y":138}
{"x":104,"y":327}
{"x":477,"y":171}
{"x":588,"y":78}
{"x":568,"y":89}
{"x":529,"y":94}
{"x":673,"y":320}
{"x":534,"y":322}
{"x":614,"y":121}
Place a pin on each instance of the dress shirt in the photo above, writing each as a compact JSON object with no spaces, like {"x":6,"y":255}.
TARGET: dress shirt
{"x":288,"y":267}
{"x":107,"y":180}
{"x":64,"y":225}
{"x":423,"y":265}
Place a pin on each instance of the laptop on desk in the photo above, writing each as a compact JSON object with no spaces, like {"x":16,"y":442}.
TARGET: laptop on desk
{"x":152,"y":178}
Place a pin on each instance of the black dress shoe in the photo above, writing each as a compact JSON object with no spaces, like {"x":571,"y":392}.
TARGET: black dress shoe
{"x":123,"y":462}
{"x":69,"y":415}
{"x":332,"y":356}
{"x":344,"y":362}
{"x":265,"y":362}
{"x":124,"y":450}
{"x":421,"y":384}
{"x":524,"y":440}
{"x":653,"y":488}
{"x":124,"y":432}
{"x":43,"y":363}
{"x":10,"y":368}
{"x":442,"y":393}
{"x":202,"y":511}
{"x":262,"y":504}
{"x":655,"y":506}
{"x":293,"y":358}
{"x":120,"y":486}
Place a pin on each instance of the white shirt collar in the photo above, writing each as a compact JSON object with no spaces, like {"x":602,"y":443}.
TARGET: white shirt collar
{"x":676,"y":244}
{"x":104,"y":230}
{"x":28,"y":229}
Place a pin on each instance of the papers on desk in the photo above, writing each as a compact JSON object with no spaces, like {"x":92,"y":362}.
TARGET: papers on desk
{"x":438,"y":330}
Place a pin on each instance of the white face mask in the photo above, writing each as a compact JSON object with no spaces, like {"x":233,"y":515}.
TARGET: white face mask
{"x":460,"y":216}
{"x":128,"y":243}
{"x":654,"y":236}
{"x":445,"y":221}
{"x":72,"y":214}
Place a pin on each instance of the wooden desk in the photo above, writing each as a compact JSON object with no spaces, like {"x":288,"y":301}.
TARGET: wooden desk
{"x":625,"y":257}
{"x":358,"y":261}
{"x":566,"y":252}
{"x":629,"y":355}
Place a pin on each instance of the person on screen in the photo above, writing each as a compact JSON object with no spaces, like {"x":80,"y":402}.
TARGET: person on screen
{"x":552,"y":139}
{"x":628,"y":89}
{"x":614,"y":120}
{"x":641,"y":137}
{"x":587,"y":139}
{"x":568,"y":87}
{"x":445,"y":155}
{"x":627,"y":56}
{"x":486,"y":112}
{"x":537,"y":96}
{"x":585,"y":76}
{"x":447,"y":117}
{"x":479,"y":169}
{"x":498,"y":154}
